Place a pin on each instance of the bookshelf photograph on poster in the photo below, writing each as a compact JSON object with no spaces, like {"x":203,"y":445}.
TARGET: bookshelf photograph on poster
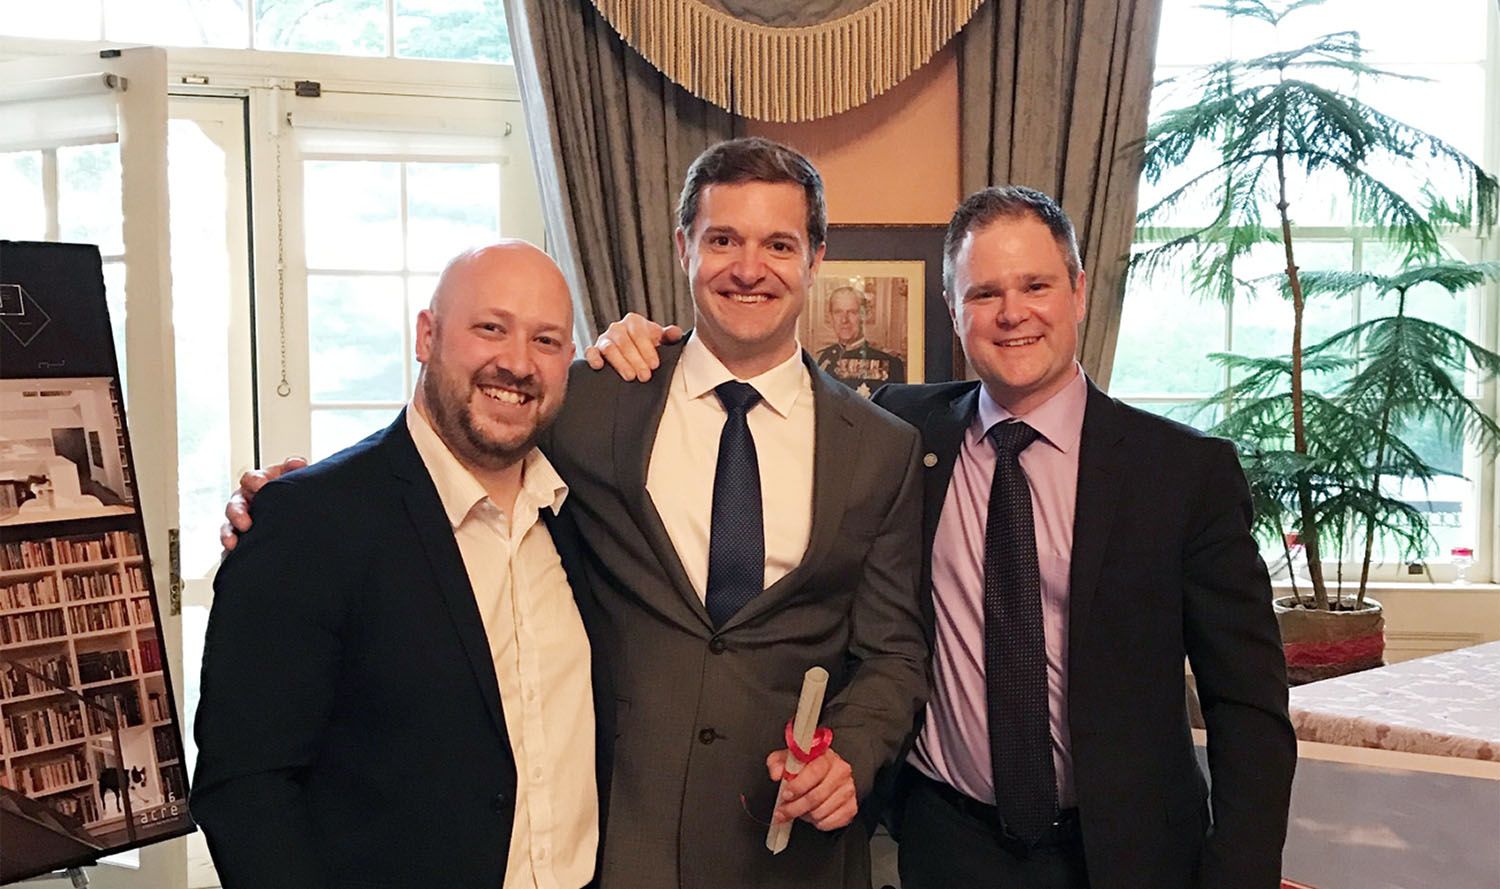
{"x":62,"y":455}
{"x":88,"y":736}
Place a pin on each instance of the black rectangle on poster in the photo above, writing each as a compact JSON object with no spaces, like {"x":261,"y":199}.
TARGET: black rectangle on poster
{"x":52,"y":317}
{"x":90,"y":746}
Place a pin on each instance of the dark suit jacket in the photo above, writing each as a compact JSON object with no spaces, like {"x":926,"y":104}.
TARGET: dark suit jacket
{"x":700,"y":709}
{"x":350,"y":730}
{"x":1163,"y":566}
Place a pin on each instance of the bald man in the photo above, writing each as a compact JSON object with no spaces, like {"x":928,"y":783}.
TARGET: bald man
{"x":396,"y":682}
{"x":852,"y":360}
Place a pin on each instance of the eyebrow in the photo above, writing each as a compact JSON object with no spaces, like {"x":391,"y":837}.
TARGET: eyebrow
{"x":731,"y":230}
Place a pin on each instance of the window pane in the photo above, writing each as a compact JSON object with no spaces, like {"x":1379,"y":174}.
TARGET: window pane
{"x":450,"y":207}
{"x":61,"y":19}
{"x":88,"y":196}
{"x":1165,"y":332}
{"x":350,"y":27}
{"x":1443,"y":31}
{"x":200,"y":318}
{"x":1198,"y":416}
{"x":1263,"y":319}
{"x":177,"y":22}
{"x":1443,"y":104}
{"x":334,"y":430}
{"x":467,"y":30}
{"x":114,"y":297}
{"x":25,"y":214}
{"x":355,"y":340}
{"x":353,"y":213}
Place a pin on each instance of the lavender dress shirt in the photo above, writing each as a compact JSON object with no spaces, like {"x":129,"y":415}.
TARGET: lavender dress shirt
{"x":954,"y":745}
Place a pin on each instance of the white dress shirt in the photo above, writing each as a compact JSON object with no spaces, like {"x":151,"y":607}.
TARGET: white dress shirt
{"x":541,"y":657}
{"x":685,"y":457}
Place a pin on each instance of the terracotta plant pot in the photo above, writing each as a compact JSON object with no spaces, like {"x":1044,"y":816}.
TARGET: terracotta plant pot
{"x":1324,"y":644}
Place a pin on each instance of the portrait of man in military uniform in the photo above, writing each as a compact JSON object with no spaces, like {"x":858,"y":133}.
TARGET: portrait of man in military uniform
{"x":852,"y":358}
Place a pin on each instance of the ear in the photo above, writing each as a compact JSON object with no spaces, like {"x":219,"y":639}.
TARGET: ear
{"x":817,"y":261}
{"x":426,"y":327}
{"x":1080,"y":297}
{"x":680,"y":237}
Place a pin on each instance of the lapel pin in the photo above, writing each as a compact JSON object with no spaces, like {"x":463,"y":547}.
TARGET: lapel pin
{"x":929,"y":460}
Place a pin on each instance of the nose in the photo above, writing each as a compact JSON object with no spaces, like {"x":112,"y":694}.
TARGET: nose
{"x":512,"y":353}
{"x":747,"y":266}
{"x":1012,"y":310}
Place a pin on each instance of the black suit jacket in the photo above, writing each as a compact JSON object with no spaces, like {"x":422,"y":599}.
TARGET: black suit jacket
{"x":350,"y":730}
{"x":701,"y":707}
{"x":1163,"y":566}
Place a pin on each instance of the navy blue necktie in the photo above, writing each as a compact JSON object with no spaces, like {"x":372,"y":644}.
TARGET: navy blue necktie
{"x":1015,"y":646}
{"x":737,"y":533}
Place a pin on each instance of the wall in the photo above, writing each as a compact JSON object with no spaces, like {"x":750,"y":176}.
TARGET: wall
{"x":892,"y":160}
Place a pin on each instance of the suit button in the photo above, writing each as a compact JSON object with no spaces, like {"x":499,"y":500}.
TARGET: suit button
{"x":717,"y":645}
{"x":500,"y":805}
{"x":707,"y":736}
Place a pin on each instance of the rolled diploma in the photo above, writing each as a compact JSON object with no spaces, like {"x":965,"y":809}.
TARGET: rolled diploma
{"x":804,"y":724}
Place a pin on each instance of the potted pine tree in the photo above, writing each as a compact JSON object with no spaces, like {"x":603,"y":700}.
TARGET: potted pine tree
{"x":1322,"y":428}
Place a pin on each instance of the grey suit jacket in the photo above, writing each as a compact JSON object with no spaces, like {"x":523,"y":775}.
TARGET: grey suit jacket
{"x":700,"y":709}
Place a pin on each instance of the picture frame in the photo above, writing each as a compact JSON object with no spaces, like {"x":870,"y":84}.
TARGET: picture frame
{"x":886,"y":259}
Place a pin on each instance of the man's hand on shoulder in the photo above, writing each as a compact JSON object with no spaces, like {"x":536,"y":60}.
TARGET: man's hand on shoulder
{"x":237,"y":511}
{"x":822,"y":794}
{"x":630,"y":346}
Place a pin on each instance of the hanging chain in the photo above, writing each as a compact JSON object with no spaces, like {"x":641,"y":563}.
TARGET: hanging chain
{"x":283,"y":388}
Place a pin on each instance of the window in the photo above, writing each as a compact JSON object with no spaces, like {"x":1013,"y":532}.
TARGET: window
{"x":1166,"y":332}
{"x":305,"y":233}
{"x":460,"y":30}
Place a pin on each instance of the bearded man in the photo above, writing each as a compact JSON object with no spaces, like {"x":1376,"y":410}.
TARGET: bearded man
{"x":396,"y":680}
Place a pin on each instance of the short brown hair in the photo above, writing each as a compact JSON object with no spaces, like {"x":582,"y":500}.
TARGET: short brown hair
{"x":1008,"y":202}
{"x":754,"y":159}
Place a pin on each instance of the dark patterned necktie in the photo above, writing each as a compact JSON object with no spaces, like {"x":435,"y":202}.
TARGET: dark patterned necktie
{"x":737,"y":534}
{"x":1015,"y":647}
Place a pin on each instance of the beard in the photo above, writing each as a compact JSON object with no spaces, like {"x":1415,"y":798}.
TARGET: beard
{"x":449,"y":402}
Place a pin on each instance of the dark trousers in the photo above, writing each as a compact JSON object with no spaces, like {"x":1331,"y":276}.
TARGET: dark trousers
{"x":943,"y":847}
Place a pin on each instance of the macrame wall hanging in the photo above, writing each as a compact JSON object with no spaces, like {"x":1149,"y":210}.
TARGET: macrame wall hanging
{"x":784,"y":62}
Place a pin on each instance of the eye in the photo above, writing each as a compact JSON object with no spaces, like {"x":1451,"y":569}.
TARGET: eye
{"x":783,"y":247}
{"x":718,"y":240}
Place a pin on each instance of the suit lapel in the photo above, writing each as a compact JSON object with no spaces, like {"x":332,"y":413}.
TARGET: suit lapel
{"x":942,"y":437}
{"x":834,"y":440}
{"x":638,"y":413}
{"x":1100,"y":471}
{"x":430,"y":524}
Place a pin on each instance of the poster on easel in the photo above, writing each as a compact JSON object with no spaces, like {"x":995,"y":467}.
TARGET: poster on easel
{"x":90,"y":747}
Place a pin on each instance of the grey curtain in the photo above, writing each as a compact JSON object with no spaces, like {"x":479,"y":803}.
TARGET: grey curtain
{"x":612,"y":139}
{"x":1053,"y":94}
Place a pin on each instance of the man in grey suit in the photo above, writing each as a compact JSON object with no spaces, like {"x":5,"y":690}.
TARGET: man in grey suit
{"x":747,"y":518}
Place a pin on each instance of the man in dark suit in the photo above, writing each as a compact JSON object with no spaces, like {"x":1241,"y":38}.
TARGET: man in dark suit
{"x":396,"y":681}
{"x":705,"y":690}
{"x":1055,"y":750}
{"x":1071,"y":764}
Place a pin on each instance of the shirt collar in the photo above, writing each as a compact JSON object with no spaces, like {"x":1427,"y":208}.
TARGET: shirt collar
{"x":457,"y":487}
{"x":1059,"y":419}
{"x":779,"y":387}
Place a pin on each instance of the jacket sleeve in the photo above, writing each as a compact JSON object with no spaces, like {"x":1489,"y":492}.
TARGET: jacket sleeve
{"x":874,"y":712}
{"x":1235,"y":650}
{"x":270,"y":663}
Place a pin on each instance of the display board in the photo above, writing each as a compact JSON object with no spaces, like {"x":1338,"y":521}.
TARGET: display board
{"x":90,"y":747}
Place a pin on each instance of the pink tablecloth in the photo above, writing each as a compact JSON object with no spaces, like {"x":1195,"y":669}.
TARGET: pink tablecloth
{"x":1447,"y":705}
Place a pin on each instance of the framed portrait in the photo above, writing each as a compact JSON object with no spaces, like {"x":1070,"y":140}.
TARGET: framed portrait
{"x":864,"y":322}
{"x":876,"y":313}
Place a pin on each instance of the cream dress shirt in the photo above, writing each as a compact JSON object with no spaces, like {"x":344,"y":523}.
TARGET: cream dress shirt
{"x":685,"y":458}
{"x":541,"y":657}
